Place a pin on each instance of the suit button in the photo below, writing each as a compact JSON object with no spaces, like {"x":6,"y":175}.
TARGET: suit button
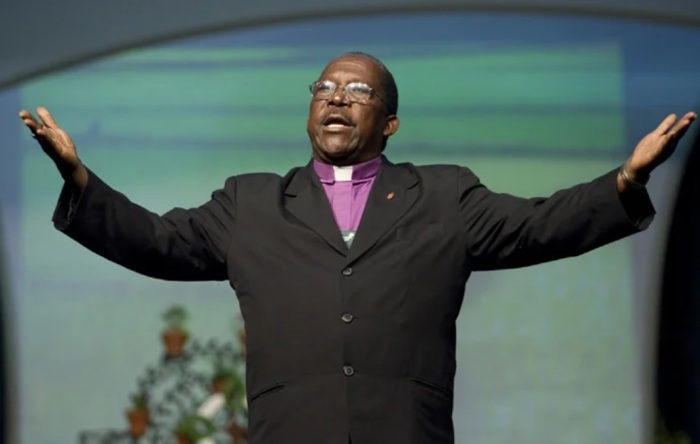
{"x":347,"y":318}
{"x":347,"y":271}
{"x":348,"y":370}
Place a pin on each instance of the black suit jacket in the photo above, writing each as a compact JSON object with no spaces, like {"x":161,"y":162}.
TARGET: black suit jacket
{"x":357,"y":341}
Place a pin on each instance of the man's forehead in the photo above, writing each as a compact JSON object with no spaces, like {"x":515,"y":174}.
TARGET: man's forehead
{"x":352,"y":64}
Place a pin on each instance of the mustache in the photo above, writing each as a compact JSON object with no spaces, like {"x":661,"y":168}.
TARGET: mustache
{"x":337,"y":117}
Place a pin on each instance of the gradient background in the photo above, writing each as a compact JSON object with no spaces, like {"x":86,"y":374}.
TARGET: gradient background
{"x":532,"y":103}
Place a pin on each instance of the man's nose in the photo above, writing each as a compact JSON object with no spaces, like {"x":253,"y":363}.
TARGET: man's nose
{"x":339,"y":98}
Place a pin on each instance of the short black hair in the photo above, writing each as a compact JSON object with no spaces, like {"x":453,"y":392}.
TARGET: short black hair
{"x":391,"y":91}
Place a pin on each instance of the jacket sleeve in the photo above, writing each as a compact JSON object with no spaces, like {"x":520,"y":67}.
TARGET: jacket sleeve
{"x":182,"y":244}
{"x":504,"y":231}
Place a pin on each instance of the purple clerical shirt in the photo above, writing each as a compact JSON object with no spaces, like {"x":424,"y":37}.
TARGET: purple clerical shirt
{"x":347,"y":189}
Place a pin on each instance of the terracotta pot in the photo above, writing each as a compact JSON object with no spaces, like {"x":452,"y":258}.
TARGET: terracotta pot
{"x":182,"y":439}
{"x":242,"y":339}
{"x":238,"y":433}
{"x":138,"y":422}
{"x":174,"y":341}
{"x":218,"y":385}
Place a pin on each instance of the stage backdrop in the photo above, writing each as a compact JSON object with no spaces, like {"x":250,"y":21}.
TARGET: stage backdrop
{"x":550,"y":354}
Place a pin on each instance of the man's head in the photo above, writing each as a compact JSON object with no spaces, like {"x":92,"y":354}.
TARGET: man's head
{"x":353,"y":110}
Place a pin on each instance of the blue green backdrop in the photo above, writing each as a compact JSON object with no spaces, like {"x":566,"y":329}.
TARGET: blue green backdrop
{"x":549,"y":354}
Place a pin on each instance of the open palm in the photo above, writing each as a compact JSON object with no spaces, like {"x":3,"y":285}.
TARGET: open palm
{"x":657,"y":146}
{"x":57,"y":144}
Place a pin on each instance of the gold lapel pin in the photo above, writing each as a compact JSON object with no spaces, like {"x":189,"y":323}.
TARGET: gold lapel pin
{"x":390,"y":195}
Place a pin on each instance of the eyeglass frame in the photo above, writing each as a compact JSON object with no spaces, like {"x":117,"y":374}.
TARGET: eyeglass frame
{"x":373,"y":92}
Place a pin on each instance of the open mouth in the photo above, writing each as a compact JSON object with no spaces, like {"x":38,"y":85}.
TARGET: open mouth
{"x":336,"y":122}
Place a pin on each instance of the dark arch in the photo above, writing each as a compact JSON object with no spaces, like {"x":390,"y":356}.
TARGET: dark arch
{"x":678,"y":348}
{"x":653,"y":15}
{"x":4,"y":356}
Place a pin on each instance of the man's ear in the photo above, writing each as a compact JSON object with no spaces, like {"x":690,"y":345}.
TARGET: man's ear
{"x":392,"y":125}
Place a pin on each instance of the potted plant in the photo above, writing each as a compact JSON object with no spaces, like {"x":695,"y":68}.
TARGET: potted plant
{"x":235,"y":394}
{"x":223,"y":372}
{"x":238,"y":433}
{"x":192,"y":428}
{"x":227,"y":379}
{"x":234,"y":391}
{"x":138,"y":415}
{"x":175,"y":335}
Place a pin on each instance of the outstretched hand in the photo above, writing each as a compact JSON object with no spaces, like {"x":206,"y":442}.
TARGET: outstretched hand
{"x":657,"y":146}
{"x":58,"y":145}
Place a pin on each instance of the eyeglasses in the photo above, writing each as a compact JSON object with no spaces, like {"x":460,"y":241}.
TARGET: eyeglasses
{"x":355,"y":91}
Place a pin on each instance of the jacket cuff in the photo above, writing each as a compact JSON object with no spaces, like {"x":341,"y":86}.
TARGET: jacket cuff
{"x":71,"y":203}
{"x":635,"y":205}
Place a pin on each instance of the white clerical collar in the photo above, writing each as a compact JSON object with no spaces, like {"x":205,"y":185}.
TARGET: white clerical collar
{"x":342,"y":173}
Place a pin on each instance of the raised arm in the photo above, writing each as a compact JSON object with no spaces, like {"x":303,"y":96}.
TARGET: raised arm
{"x":179,"y":245}
{"x":504,"y":231}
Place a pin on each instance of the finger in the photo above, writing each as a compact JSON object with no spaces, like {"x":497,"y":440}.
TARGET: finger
{"x":24,"y":114}
{"x":46,"y":117}
{"x":682,"y":126}
{"x":28,"y":118}
{"x":32,"y":124}
{"x":665,"y":125}
{"x":691,"y":116}
{"x":678,"y":133}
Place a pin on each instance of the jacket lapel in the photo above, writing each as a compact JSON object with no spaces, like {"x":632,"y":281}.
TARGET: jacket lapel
{"x":392,"y":195}
{"x":307,"y":201}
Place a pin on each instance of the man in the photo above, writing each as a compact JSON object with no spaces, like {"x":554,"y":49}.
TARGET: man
{"x":350,"y":271}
